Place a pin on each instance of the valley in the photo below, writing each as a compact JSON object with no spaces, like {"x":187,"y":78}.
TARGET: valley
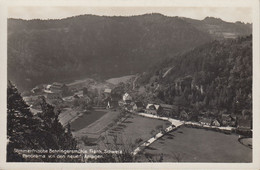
{"x":154,"y":87}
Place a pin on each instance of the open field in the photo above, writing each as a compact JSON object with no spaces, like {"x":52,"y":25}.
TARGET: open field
{"x":97,"y":126}
{"x":199,"y":145}
{"x":118,"y":80}
{"x":134,"y":131}
{"x":68,"y":115}
{"x":86,"y":119}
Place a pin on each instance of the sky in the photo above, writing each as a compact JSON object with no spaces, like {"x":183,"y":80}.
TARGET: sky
{"x":230,"y":14}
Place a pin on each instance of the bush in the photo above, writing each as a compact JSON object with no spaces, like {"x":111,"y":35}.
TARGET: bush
{"x":138,"y":140}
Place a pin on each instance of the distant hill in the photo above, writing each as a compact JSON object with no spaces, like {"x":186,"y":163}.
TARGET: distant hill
{"x":41,"y":51}
{"x":220,"y":29}
{"x":215,"y":77}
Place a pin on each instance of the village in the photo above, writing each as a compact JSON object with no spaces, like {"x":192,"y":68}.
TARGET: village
{"x":115,"y":111}
{"x":87,"y":95}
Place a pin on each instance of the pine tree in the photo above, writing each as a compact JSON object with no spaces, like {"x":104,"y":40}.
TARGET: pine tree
{"x":28,"y":131}
{"x":19,"y":123}
{"x":58,"y":137}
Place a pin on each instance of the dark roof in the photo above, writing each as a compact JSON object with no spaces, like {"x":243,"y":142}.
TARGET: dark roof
{"x":57,"y":84}
{"x":128,"y":101}
{"x":205,"y":120}
{"x":139,"y":104}
{"x":226,"y":116}
{"x":152,"y":107}
{"x":244,"y":123}
{"x":76,"y":96}
{"x":167,"y":106}
{"x":113,"y":103}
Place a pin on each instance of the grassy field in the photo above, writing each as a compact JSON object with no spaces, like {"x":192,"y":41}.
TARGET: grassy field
{"x":199,"y":145}
{"x":117,"y":80}
{"x":86,"y":119}
{"x":134,"y":131}
{"x":98,"y":125}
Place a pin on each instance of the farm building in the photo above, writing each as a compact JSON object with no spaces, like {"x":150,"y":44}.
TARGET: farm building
{"x":205,"y":121}
{"x":138,"y":106}
{"x":244,"y":124}
{"x":58,"y":87}
{"x":184,"y":115}
{"x":79,"y":94}
{"x":107,"y":92}
{"x":215,"y":123}
{"x":228,"y":120}
{"x":36,"y":89}
{"x":127,"y":98}
{"x":53,"y":95}
{"x":153,"y":109}
{"x":167,"y":110}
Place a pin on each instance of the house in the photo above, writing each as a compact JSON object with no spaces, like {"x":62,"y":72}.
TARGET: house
{"x":167,"y":110}
{"x":138,"y":106}
{"x":244,"y":124}
{"x":226,"y":119}
{"x":184,"y":116}
{"x":216,"y":123}
{"x":127,"y":98}
{"x":58,"y":87}
{"x":205,"y":121}
{"x":76,"y":96}
{"x":121,"y":103}
{"x":153,"y":109}
{"x":52,"y":95}
{"x":36,"y":90}
{"x":79,"y":94}
{"x":107,"y":92}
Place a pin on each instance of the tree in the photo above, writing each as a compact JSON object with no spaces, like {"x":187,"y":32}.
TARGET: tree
{"x":53,"y":129}
{"x":19,"y":123}
{"x":27,"y":131}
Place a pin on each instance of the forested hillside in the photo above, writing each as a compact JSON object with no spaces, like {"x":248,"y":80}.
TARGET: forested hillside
{"x":215,"y":77}
{"x":42,"y":51}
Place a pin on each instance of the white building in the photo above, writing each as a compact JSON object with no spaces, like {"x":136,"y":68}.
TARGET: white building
{"x":126,"y":97}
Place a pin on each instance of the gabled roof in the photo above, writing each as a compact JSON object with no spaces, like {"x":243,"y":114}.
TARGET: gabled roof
{"x":244,"y":123}
{"x":167,"y":106}
{"x":149,"y":106}
{"x":48,"y":86}
{"x":155,"y":106}
{"x":126,"y":96}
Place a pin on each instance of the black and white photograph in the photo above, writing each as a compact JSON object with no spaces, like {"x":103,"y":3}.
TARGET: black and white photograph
{"x":130,"y":84}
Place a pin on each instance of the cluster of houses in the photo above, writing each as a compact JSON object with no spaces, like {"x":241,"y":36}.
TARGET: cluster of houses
{"x":52,"y":91}
{"x":138,"y":106}
{"x":171,"y":111}
{"x":55,"y":90}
